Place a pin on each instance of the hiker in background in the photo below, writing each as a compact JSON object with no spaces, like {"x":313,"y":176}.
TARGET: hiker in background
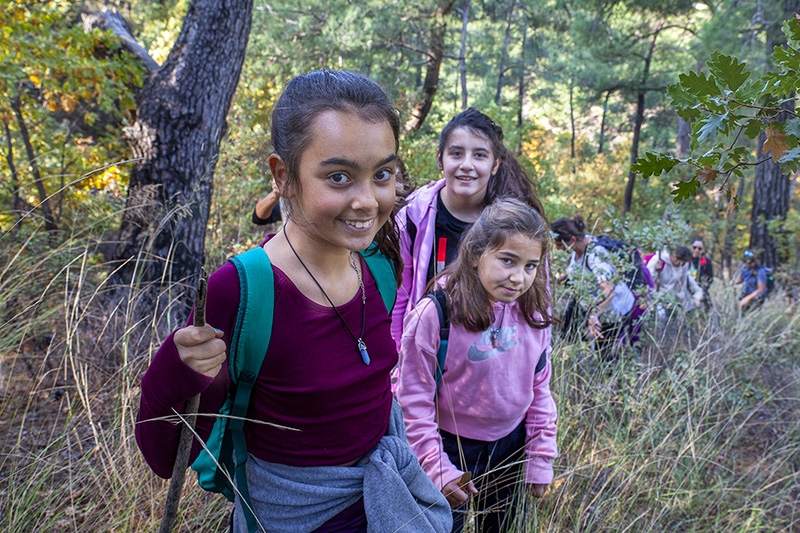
{"x":477,"y":168}
{"x":753,"y":276}
{"x":335,"y":140}
{"x":670,"y":273}
{"x":612,"y":316}
{"x":701,"y":269}
{"x":268,"y":209}
{"x":491,"y":413}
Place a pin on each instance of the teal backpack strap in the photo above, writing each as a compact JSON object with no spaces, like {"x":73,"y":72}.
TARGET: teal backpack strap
{"x":248,"y":349}
{"x":382,"y":270}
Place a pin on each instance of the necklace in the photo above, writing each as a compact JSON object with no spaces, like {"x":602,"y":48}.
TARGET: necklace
{"x":362,"y":347}
{"x":494,"y":333}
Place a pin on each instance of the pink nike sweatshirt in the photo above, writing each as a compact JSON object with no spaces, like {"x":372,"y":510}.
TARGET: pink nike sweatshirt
{"x":487,"y":389}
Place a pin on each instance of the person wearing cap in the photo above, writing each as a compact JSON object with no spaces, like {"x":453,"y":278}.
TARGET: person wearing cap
{"x":670,"y":272}
{"x":753,"y":276}
{"x":701,"y":269}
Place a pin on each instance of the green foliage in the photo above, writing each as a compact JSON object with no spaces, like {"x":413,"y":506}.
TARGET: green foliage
{"x":64,"y":95}
{"x":727,"y":104}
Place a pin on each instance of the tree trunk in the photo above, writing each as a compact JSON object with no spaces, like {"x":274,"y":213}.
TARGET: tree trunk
{"x":44,"y":200}
{"x":603,"y":123}
{"x":462,"y":60}
{"x":521,"y":91}
{"x":435,"y":55}
{"x":639,"y":120}
{"x":771,"y":189}
{"x":506,"y":41}
{"x":637,"y":130}
{"x":683,"y":141}
{"x":770,"y":202}
{"x":18,"y":206}
{"x":571,"y":120}
{"x":175,"y":142}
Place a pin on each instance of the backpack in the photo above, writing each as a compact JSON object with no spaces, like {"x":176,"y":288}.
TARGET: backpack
{"x":439,"y":298}
{"x":215,"y":465}
{"x":646,"y":259}
{"x":635,"y":274}
{"x":770,"y":281}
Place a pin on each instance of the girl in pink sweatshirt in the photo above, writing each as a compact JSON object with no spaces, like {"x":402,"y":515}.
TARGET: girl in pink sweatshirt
{"x":492,"y":414}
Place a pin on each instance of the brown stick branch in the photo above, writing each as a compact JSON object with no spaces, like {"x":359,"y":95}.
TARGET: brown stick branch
{"x":187,"y":433}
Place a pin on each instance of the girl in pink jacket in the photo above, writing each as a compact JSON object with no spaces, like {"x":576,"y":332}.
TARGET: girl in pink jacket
{"x":492,"y":414}
{"x":476,"y":168}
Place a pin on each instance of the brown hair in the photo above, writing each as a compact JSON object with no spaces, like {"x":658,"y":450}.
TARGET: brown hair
{"x":510,"y":180}
{"x":309,"y":95}
{"x":469,"y":302}
{"x":566,"y":228}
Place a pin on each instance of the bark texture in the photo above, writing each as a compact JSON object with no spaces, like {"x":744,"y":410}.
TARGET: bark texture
{"x":770,"y":202}
{"x":175,"y":142}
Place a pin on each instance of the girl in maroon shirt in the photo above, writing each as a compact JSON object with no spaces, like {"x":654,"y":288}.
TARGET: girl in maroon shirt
{"x":326,"y":372}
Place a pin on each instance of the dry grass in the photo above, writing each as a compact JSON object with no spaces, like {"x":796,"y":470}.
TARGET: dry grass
{"x":700,"y":432}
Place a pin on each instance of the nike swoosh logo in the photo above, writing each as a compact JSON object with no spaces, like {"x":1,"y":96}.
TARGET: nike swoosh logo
{"x":476,"y":354}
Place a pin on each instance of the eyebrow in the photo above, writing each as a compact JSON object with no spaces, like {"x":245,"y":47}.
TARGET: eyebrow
{"x":515,"y":256}
{"x":342,"y":162}
{"x":478,"y":149}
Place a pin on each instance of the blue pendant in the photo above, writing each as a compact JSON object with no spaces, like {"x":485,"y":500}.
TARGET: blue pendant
{"x":363,"y":349}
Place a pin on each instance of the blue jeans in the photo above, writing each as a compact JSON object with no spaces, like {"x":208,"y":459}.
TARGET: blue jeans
{"x":494,"y":474}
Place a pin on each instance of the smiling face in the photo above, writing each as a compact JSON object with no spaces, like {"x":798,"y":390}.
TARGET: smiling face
{"x":468,"y":162}
{"x":508,"y":271}
{"x":346,"y":180}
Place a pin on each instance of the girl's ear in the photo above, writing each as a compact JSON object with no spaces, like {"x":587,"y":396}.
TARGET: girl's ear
{"x":280,"y":173}
{"x":496,"y":166}
{"x":439,"y":161}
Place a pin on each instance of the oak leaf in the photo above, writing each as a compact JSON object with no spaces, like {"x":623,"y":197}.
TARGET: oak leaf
{"x":707,"y":175}
{"x":774,"y":144}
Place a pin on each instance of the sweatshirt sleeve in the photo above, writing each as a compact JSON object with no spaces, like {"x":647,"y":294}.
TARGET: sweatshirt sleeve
{"x":404,"y":291}
{"x":169,"y":383}
{"x":694,"y":288}
{"x":417,"y":385}
{"x":540,"y":423}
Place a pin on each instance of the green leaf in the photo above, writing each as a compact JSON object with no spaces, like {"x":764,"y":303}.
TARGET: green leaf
{"x":788,"y":58}
{"x":711,"y":126}
{"x":681,"y":97}
{"x":728,"y":70}
{"x":684,"y":190}
{"x":791,"y":28}
{"x":753,"y":127}
{"x":653,"y":164}
{"x":699,"y":85}
{"x":792,"y":155}
{"x":792,"y":127}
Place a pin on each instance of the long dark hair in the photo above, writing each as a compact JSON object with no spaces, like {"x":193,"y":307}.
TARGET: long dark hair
{"x":469,"y":302}
{"x":510,"y":180}
{"x":308,"y":95}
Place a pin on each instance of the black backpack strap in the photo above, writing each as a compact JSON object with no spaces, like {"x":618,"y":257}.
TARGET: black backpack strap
{"x":439,"y":298}
{"x":542,"y":362}
{"x":411,"y":229}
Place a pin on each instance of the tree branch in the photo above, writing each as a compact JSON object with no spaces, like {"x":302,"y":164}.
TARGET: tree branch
{"x":110,"y":19}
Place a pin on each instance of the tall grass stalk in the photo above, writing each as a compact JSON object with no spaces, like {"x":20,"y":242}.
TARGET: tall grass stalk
{"x":699,"y":431}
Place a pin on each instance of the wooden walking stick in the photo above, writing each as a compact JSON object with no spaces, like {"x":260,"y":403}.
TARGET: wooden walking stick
{"x":187,"y":433}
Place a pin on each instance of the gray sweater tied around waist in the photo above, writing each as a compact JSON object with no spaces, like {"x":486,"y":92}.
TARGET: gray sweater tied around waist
{"x":398,"y":496}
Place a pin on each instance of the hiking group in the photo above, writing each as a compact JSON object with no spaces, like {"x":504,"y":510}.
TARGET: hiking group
{"x":383,"y":362}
